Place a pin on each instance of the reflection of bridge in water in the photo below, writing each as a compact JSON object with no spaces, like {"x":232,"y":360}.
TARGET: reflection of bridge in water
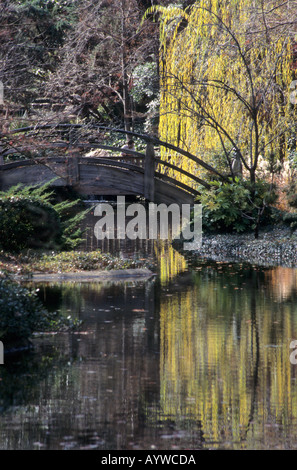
{"x":136,"y":174}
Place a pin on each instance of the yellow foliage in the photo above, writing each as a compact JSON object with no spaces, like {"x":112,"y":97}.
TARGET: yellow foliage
{"x":225,"y":77}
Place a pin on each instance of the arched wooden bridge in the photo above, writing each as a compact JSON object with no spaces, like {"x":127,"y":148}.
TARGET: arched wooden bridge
{"x":138,"y":175}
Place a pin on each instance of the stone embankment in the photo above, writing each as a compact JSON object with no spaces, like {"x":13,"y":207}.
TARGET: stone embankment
{"x":275,"y":247}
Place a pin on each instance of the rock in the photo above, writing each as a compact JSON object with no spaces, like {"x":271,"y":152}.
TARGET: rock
{"x":275,"y":247}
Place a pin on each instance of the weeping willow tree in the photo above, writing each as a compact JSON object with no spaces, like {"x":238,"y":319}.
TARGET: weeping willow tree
{"x":226,"y":70}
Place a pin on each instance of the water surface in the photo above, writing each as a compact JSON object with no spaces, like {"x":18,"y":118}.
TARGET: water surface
{"x":197,"y":357}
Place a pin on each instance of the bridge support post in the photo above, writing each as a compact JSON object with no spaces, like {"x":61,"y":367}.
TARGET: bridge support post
{"x":149,"y":173}
{"x":73,"y":169}
{"x":1,"y":163}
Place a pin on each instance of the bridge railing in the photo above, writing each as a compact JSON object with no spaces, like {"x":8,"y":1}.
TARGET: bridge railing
{"x":152,"y":166}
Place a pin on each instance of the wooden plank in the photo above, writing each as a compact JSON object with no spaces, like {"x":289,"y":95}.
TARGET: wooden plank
{"x":17,"y":164}
{"x":112,"y":163}
{"x":102,"y":180}
{"x":169,"y":194}
{"x":36,"y":174}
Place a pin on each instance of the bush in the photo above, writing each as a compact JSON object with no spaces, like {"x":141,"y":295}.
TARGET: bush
{"x":236,"y":206}
{"x":25,"y":222}
{"x":21,"y":312}
{"x":28,"y":219}
{"x":291,"y":194}
{"x":290,"y":219}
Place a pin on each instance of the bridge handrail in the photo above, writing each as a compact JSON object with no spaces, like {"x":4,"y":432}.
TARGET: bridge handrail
{"x":114,"y":160}
{"x":17,"y":163}
{"x":158,"y":160}
{"x":182,"y":171}
{"x":146,"y":137}
{"x":177,"y":183}
{"x":105,"y":162}
{"x":101,"y":161}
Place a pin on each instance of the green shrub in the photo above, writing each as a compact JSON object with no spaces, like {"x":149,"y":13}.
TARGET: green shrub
{"x":29,"y":219}
{"x":290,"y":219}
{"x":21,"y":312}
{"x":291,"y":194}
{"x":236,"y":205}
{"x":25,"y":222}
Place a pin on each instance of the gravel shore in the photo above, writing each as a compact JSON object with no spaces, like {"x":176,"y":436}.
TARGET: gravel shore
{"x":274,"y":247}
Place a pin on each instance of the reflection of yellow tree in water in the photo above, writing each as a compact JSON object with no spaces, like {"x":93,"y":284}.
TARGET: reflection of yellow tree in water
{"x":171,"y":262}
{"x":225,"y":362}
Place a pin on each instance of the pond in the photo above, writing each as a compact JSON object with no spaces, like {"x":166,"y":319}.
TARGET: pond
{"x":196,"y":357}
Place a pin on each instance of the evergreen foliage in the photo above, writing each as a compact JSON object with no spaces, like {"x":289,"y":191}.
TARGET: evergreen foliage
{"x":23,"y":314}
{"x":29,"y":218}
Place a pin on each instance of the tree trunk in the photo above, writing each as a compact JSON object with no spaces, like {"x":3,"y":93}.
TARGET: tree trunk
{"x":125,"y":84}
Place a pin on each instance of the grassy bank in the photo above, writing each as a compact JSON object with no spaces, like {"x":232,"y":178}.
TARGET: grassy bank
{"x":70,"y":261}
